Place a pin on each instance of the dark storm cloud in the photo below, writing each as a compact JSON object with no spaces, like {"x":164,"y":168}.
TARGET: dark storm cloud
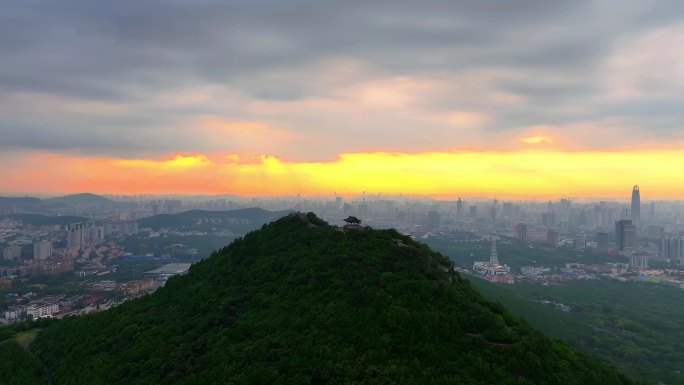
{"x":551,"y":55}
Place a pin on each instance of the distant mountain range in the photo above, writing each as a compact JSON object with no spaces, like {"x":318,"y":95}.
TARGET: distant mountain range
{"x":241,"y":219}
{"x":45,"y":220}
{"x":303,"y":302}
{"x":23,"y":203}
{"x":51,"y":205}
{"x":81,"y":199}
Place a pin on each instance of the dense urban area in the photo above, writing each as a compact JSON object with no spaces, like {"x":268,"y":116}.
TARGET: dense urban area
{"x":85,"y":253}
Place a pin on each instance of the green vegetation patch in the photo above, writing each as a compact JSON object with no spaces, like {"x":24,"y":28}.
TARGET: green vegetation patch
{"x":24,"y":339}
{"x":639,"y":327}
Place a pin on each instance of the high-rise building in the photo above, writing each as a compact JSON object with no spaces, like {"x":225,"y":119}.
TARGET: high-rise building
{"x":131,"y":227}
{"x":664,"y":248}
{"x":76,"y":236}
{"x":520,"y":230}
{"x":42,"y":249}
{"x":472,"y":211}
{"x":549,"y":219}
{"x":433,"y":219}
{"x":637,"y":261}
{"x":11,"y":252}
{"x":565,"y":226}
{"x":635,"y":212}
{"x":552,"y":237}
{"x":625,"y":235}
{"x":508,"y":210}
{"x":677,"y":251}
{"x":670,"y":248}
{"x":652,"y":212}
{"x":580,"y":242}
{"x":602,"y":242}
{"x":654,"y":231}
{"x":459,"y":208}
{"x":94,"y":235}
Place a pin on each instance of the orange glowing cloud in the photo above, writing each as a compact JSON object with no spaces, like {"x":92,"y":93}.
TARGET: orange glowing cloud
{"x":521,"y":173}
{"x":252,"y":136}
{"x":537,"y":139}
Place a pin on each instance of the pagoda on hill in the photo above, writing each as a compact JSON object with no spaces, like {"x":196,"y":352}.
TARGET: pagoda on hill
{"x":352,"y":221}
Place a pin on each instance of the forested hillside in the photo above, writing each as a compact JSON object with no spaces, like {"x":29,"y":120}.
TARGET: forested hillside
{"x":639,"y":327}
{"x":302,"y":302}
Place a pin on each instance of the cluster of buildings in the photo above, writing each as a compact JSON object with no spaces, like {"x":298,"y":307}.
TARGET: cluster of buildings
{"x":59,"y":306}
{"x":639,"y":239}
{"x":53,"y":306}
{"x":53,"y":249}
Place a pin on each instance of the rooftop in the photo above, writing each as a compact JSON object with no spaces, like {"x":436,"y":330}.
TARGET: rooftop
{"x":171,"y":268}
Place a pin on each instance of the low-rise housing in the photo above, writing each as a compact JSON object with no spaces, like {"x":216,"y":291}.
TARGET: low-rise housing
{"x":15,"y":313}
{"x":42,"y":310}
{"x":138,"y":287}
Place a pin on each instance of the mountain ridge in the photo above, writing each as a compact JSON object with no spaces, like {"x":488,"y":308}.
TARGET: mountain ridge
{"x":45,"y":220}
{"x":81,"y":199}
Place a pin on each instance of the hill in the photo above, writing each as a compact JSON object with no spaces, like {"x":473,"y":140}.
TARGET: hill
{"x":201,"y":220}
{"x":81,"y":199}
{"x":9,"y":201}
{"x":44,"y":220}
{"x":21,"y":203}
{"x":302,"y":302}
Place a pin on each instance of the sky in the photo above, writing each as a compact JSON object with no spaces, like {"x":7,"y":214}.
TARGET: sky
{"x":529,"y":98}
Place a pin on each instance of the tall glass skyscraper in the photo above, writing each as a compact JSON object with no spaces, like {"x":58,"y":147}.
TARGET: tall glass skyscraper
{"x":635,"y":214}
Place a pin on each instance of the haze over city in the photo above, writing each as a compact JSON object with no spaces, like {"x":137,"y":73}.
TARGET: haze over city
{"x":531,"y":99}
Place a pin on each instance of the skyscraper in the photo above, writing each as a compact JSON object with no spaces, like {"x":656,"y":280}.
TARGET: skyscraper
{"x":625,"y":235}
{"x":552,"y":237}
{"x":635,"y":214}
{"x":549,"y":219}
{"x":520,"y":230}
{"x":433,"y":219}
{"x":76,"y":236}
{"x":42,"y":249}
{"x":602,"y":242}
{"x":459,"y":208}
{"x":508,"y":209}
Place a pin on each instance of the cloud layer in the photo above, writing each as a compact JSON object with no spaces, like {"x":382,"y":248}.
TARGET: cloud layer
{"x":130,"y":78}
{"x":305,"y":81}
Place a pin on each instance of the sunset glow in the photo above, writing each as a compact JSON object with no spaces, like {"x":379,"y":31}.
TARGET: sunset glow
{"x":522,"y":173}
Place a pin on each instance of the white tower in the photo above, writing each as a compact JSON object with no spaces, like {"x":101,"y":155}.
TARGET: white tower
{"x":493,"y":257}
